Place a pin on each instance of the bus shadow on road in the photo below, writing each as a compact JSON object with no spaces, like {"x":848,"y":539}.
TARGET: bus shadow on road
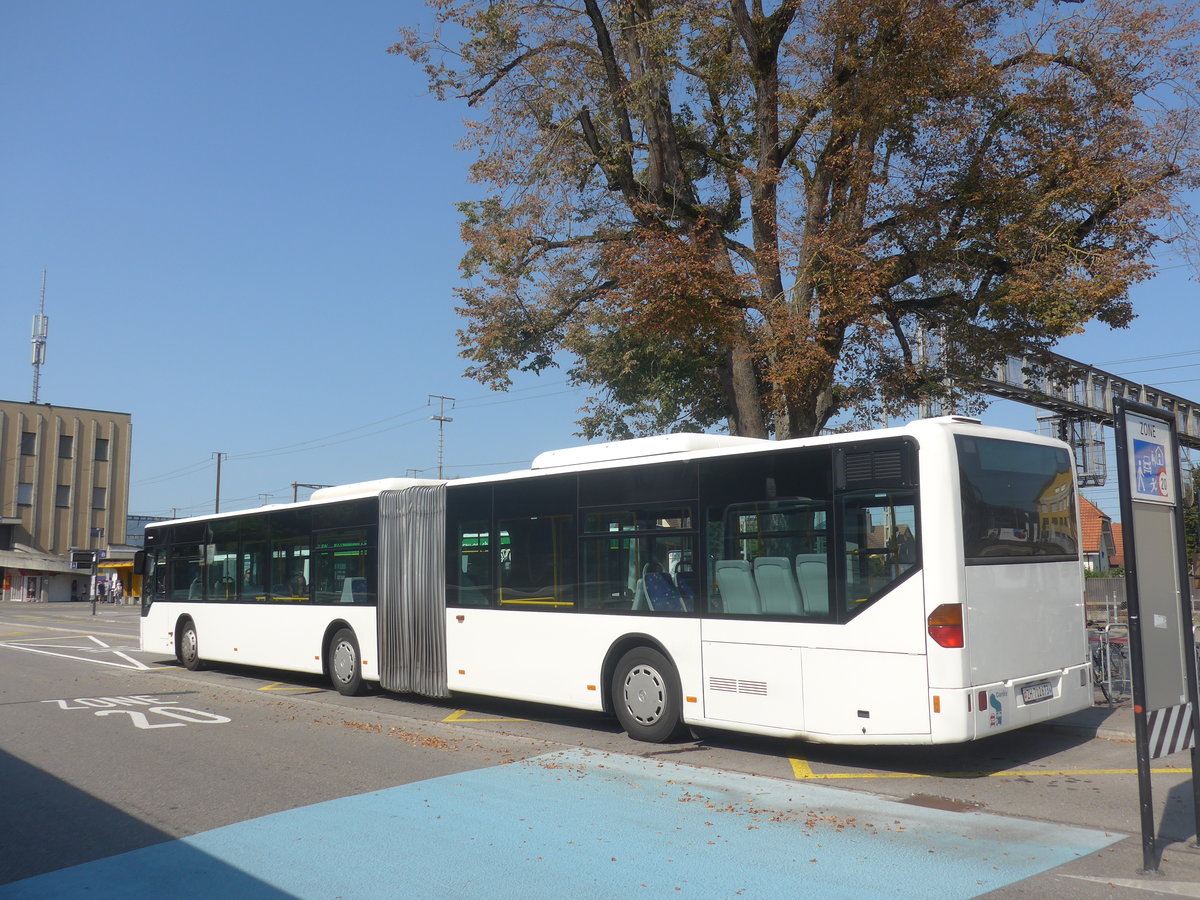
{"x":977,"y":759}
{"x":73,"y":844}
{"x":1023,"y":748}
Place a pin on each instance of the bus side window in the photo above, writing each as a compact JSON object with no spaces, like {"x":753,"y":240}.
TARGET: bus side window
{"x":185,"y":582}
{"x":470,"y":581}
{"x":155,"y":578}
{"x":769,"y":558}
{"x":343,"y":565}
{"x":253,"y":586}
{"x":538,"y":571}
{"x":222,"y":556}
{"x":639,"y":559}
{"x":880,"y":542}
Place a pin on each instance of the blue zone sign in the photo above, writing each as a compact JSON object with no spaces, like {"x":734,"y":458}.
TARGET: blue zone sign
{"x":1148,"y":450}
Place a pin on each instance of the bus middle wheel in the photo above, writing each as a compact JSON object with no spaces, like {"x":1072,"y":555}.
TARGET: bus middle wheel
{"x":345,"y":670}
{"x":646,"y":696}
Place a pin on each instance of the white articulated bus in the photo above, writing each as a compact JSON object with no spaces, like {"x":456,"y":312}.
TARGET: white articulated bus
{"x":913,"y":585}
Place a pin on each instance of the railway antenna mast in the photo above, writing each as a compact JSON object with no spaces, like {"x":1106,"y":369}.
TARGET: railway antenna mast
{"x":41,"y":328}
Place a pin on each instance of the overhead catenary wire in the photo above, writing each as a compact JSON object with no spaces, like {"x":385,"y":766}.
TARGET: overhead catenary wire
{"x":1133,"y":359}
{"x":347,"y":435}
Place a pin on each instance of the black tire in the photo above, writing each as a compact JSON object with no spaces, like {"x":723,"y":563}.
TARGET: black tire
{"x":646,"y":696}
{"x":345,"y":667}
{"x":187,"y":647}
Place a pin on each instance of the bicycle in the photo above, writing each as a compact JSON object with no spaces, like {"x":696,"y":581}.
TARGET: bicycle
{"x":1098,"y":672}
{"x":1110,"y":661}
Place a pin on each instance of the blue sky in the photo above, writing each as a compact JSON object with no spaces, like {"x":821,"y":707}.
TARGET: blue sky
{"x":246,"y":215}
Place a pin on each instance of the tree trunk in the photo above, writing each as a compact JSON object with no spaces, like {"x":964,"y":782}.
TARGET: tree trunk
{"x":740,"y":387}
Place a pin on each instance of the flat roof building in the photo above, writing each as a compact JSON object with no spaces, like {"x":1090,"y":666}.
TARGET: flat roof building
{"x":64,"y":485}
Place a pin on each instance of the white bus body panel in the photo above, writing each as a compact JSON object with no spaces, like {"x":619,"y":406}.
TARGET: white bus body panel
{"x":489,"y":651}
{"x":275,"y":636}
{"x":877,"y":695}
{"x":810,"y":679}
{"x":754,"y":684}
{"x":1009,"y":626}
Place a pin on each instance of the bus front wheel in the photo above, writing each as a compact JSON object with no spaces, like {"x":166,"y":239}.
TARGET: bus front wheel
{"x":646,"y":696}
{"x":189,"y":647}
{"x":345,"y":670}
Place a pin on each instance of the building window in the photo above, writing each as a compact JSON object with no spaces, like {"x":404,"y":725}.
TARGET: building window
{"x":101,"y":449}
{"x":98,"y":498}
{"x":66,"y":446}
{"x":28,"y":443}
{"x":62,"y":495}
{"x":25,"y":494}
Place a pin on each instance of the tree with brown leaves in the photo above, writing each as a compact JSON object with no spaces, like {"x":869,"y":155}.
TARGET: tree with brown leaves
{"x":752,"y":213}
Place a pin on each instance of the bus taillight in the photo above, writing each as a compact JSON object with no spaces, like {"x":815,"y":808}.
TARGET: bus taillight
{"x":945,"y":625}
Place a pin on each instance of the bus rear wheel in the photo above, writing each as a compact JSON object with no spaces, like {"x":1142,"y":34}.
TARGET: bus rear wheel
{"x":345,"y":670}
{"x":188,"y":647}
{"x":646,"y":696}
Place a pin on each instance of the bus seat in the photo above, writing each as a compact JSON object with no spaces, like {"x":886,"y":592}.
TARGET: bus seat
{"x":736,"y":584}
{"x":685,"y":580}
{"x":469,"y":593}
{"x":661,"y":594}
{"x":640,"y":599}
{"x":812,"y":571}
{"x":354,"y":590}
{"x":777,"y":586}
{"x":639,"y":595}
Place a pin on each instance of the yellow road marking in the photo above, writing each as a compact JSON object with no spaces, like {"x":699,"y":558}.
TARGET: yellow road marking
{"x":459,"y":715}
{"x":801,"y":769}
{"x":280,"y":686}
{"x":13,"y":633}
{"x":803,"y":772}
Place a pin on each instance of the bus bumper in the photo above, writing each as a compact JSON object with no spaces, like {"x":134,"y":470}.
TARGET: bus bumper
{"x":964,"y":714}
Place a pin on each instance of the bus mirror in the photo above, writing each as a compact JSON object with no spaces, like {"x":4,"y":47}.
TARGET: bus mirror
{"x":139,"y":562}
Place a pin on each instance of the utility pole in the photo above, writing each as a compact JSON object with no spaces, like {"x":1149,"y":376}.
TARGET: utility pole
{"x":441,"y":418}
{"x":296,"y":485}
{"x":98,"y":534}
{"x":219,"y":455}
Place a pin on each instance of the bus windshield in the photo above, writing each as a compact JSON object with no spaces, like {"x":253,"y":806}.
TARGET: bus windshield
{"x":1018,"y":501}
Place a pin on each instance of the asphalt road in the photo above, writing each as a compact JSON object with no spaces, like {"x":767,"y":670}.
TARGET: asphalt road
{"x":122,"y":773}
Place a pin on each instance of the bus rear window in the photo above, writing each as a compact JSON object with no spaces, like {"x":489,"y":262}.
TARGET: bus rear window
{"x":1018,"y":501}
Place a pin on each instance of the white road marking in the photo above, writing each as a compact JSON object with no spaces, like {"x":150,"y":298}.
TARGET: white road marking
{"x":1170,"y":888}
{"x":128,"y":661}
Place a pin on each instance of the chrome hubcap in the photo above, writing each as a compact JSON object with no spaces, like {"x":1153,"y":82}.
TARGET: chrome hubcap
{"x":343,"y":661}
{"x":645,"y":694}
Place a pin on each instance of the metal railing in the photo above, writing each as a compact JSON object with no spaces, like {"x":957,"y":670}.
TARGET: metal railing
{"x":1112,"y":676}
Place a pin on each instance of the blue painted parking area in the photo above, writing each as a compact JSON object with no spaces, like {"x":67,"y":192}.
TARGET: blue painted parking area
{"x":582,"y":823}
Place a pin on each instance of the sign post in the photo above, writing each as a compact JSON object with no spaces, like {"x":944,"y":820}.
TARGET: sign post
{"x":1166,"y":713}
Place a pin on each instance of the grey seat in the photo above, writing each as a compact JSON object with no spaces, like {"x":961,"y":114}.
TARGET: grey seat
{"x":738,"y":591}
{"x":777,"y":586}
{"x":812,"y":572}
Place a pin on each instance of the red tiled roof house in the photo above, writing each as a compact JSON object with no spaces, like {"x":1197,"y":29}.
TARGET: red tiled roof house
{"x":1099,"y":546}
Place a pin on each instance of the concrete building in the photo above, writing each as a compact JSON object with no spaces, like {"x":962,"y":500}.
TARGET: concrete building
{"x":64,"y":486}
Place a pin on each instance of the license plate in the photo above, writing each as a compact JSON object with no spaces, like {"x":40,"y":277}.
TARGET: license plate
{"x":1038,"y":691}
